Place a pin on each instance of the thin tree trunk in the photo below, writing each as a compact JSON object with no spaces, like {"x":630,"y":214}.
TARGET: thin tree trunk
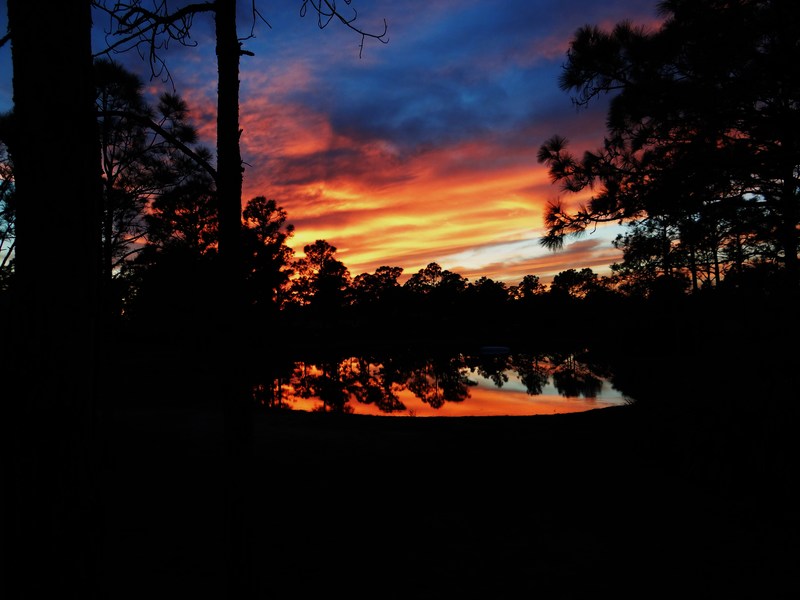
{"x":789,"y":232}
{"x":229,"y":160}
{"x":235,"y":397}
{"x":693,"y":266}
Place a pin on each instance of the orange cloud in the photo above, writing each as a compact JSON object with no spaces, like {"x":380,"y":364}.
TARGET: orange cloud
{"x":379,"y":207}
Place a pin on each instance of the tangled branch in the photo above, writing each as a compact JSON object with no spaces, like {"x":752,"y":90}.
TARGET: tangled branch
{"x":326,"y":12}
{"x":149,"y":31}
{"x":149,"y":123}
{"x":131,"y":26}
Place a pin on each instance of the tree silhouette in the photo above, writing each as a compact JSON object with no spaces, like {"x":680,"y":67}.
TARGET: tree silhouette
{"x":424,"y":281}
{"x":145,"y":152}
{"x":439,"y":287}
{"x":532,"y":371}
{"x":267,"y":257}
{"x":328,"y":380}
{"x":371,"y":383}
{"x":492,"y":367}
{"x":185,"y":215}
{"x":650,"y":254}
{"x":440,"y":380}
{"x":380,"y":287}
{"x":529,"y":287}
{"x":50,"y":430}
{"x":171,"y":283}
{"x":701,"y":136}
{"x":7,"y":211}
{"x":322,"y":281}
{"x":574,"y":379}
{"x":573,"y":283}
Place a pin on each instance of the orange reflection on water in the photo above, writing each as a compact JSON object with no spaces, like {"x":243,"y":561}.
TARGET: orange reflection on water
{"x":483,"y":399}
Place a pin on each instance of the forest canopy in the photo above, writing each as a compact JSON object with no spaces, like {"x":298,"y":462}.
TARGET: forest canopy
{"x":702,"y":149}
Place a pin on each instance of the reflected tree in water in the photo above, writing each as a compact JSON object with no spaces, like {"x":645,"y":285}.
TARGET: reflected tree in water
{"x":323,"y":381}
{"x":574,"y":379}
{"x":370,"y":383}
{"x":533,"y":371}
{"x":493,"y":367}
{"x":269,"y":394}
{"x":440,"y":380}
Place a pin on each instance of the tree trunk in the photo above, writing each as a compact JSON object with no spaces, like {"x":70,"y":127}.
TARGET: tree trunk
{"x":229,"y":160}
{"x":789,"y":229}
{"x":50,"y":485}
{"x":234,"y":393}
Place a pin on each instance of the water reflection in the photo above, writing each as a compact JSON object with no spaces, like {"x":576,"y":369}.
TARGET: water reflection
{"x":479,"y":384}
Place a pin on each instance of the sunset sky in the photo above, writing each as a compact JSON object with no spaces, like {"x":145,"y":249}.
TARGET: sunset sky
{"x":421,"y":150}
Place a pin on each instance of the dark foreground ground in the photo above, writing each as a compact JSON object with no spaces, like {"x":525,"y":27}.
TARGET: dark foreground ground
{"x":618,"y":502}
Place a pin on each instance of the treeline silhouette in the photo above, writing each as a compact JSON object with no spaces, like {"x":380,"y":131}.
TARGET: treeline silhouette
{"x":707,"y":190}
{"x":161,"y":273}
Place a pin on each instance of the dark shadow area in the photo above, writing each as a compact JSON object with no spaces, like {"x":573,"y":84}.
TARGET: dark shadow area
{"x":606,"y":501}
{"x":146,"y":445}
{"x":691,"y":486}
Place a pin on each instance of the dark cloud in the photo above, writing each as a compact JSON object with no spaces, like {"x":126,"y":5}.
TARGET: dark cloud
{"x":453,"y":71}
{"x":337,"y":163}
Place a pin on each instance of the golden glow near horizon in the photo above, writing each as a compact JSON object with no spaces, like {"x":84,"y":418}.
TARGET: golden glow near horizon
{"x":450,"y":205}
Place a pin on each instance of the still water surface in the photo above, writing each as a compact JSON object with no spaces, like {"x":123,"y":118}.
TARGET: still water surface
{"x":489,"y":383}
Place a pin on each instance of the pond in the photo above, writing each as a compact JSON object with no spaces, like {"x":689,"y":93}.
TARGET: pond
{"x":492,"y":381}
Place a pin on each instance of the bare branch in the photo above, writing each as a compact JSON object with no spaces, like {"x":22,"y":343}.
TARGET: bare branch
{"x":326,"y":12}
{"x":257,"y":16}
{"x":132,"y":26}
{"x":148,"y":122}
{"x":9,"y":252}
